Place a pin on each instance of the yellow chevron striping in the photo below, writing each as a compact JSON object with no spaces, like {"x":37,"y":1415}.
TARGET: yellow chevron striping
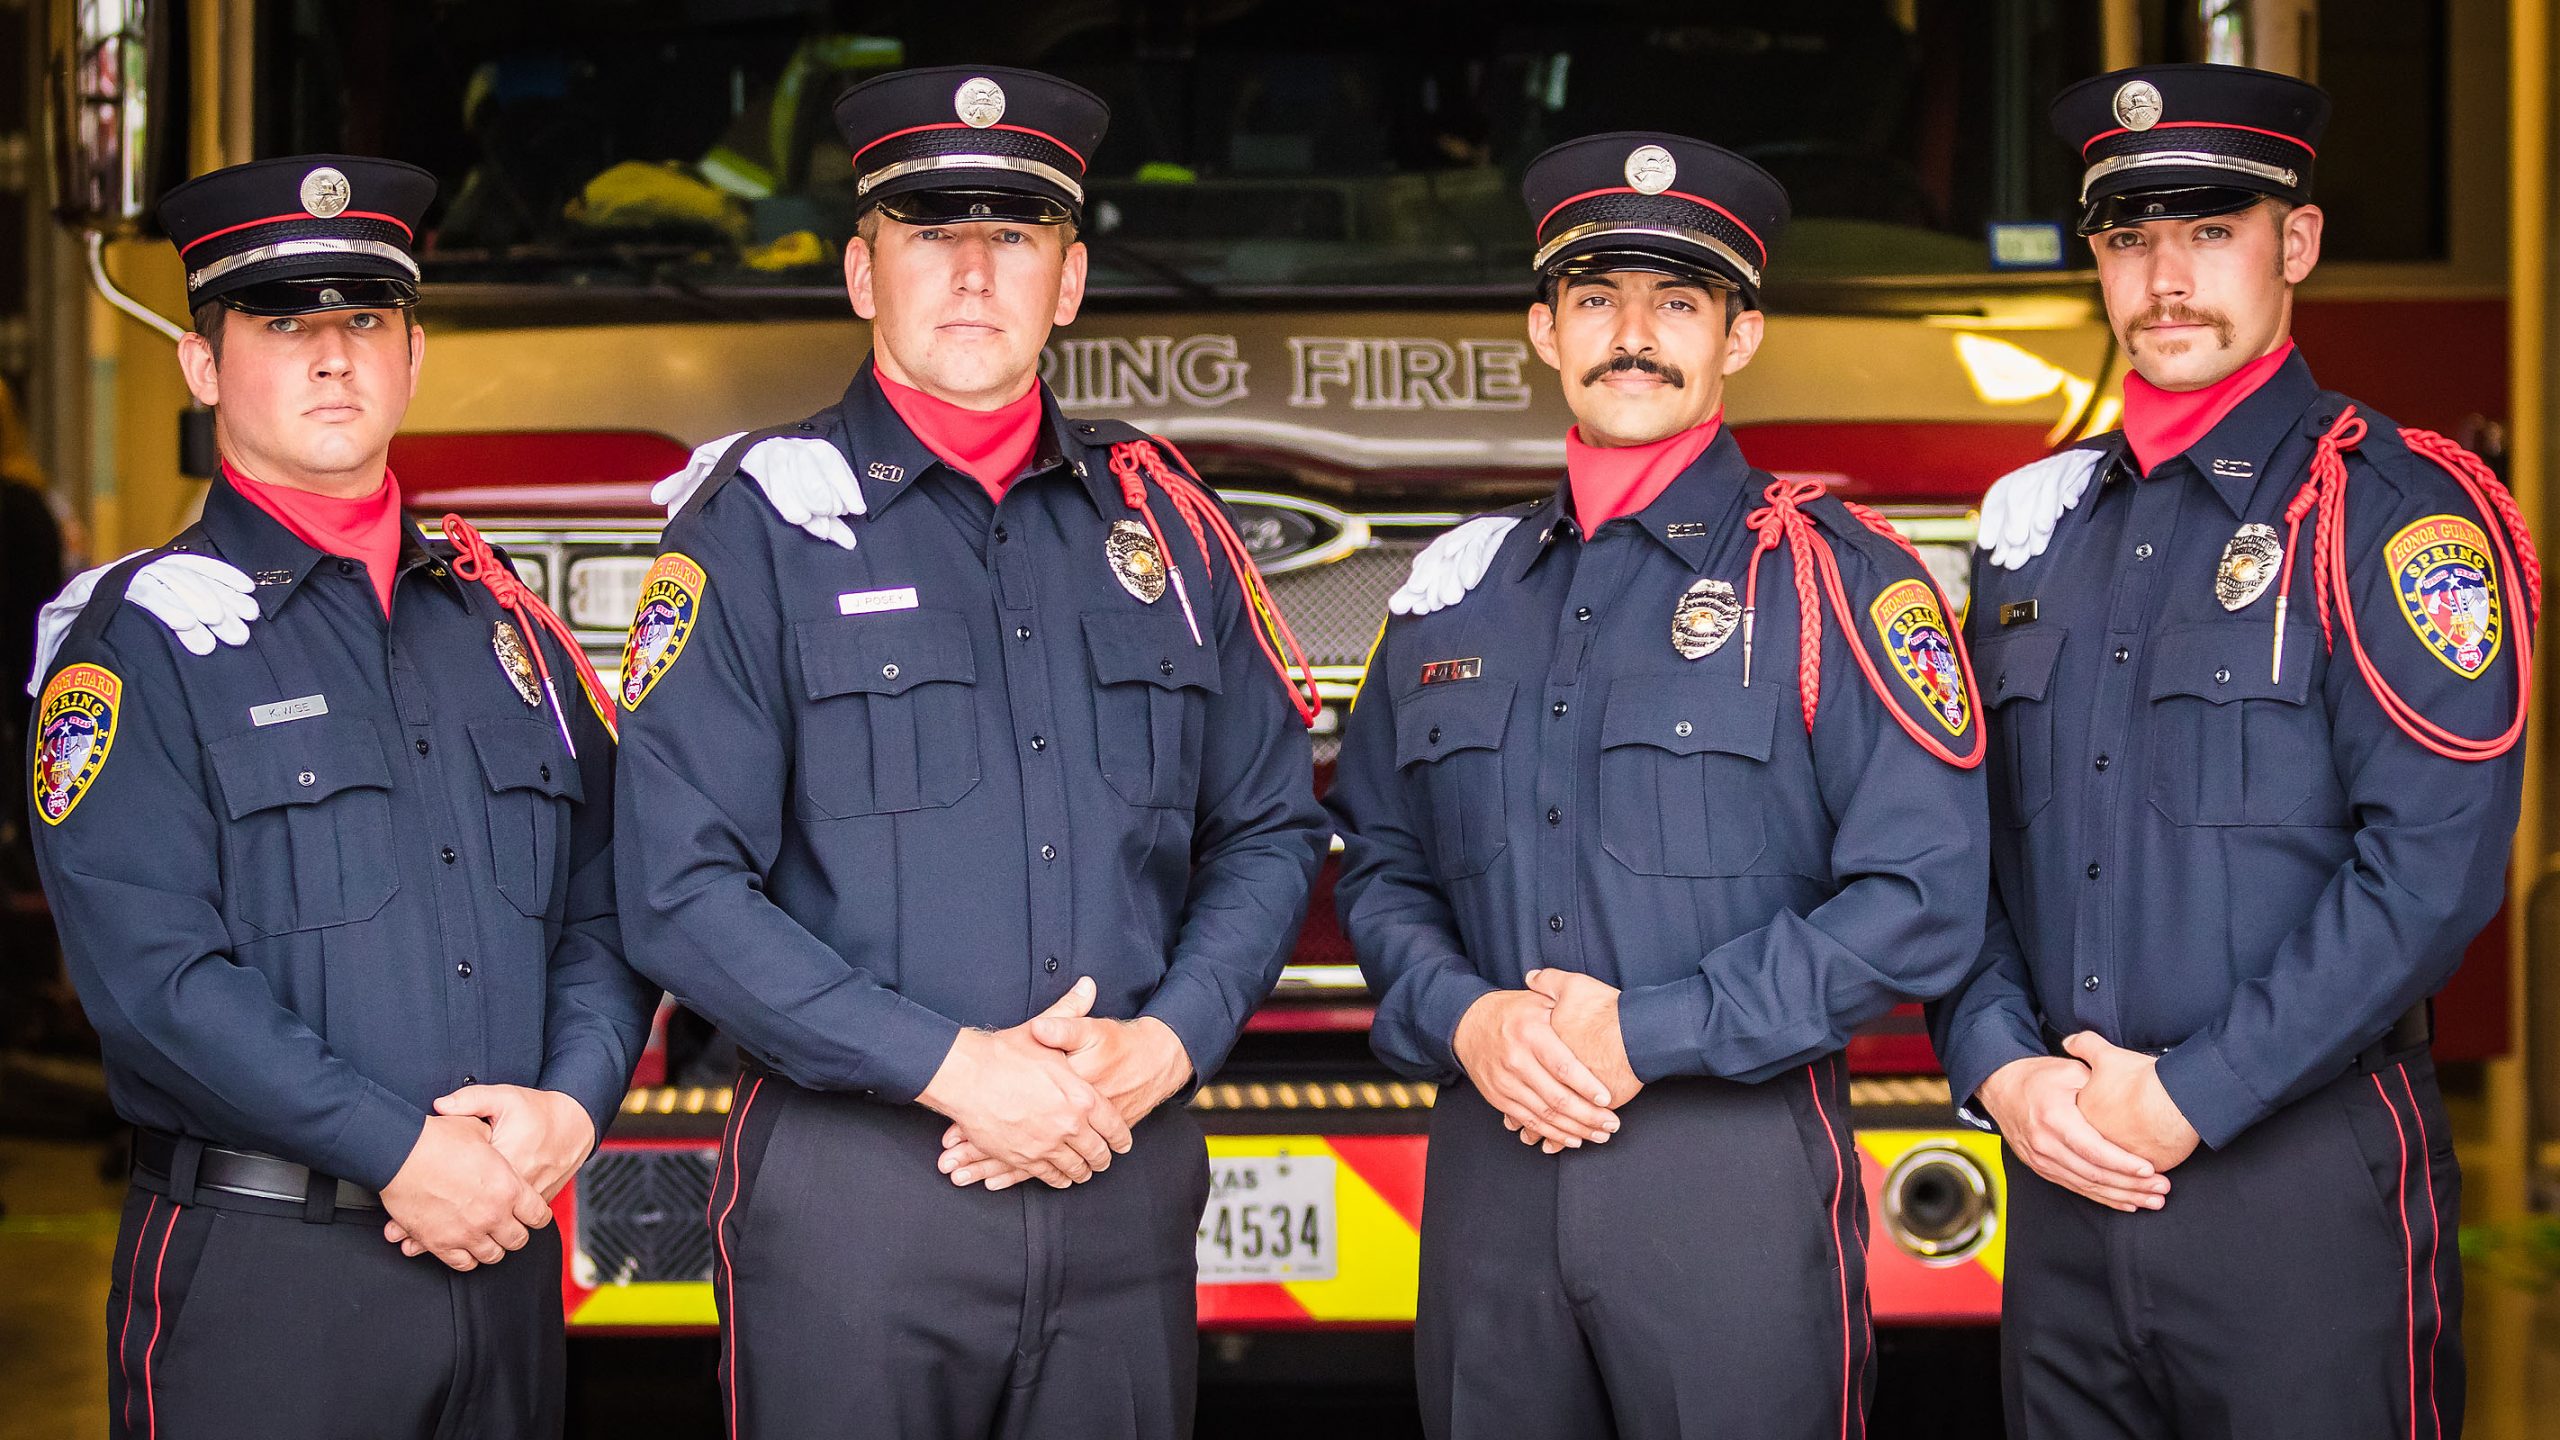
{"x":1380,"y":1256}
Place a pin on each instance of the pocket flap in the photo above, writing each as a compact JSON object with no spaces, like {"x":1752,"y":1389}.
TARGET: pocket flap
{"x":887,"y":654}
{"x":302,"y":763}
{"x":2230,"y":661}
{"x":522,"y":755}
{"x":2018,"y":666}
{"x":1691,"y":719}
{"x":1151,"y":649}
{"x":1442,"y":719}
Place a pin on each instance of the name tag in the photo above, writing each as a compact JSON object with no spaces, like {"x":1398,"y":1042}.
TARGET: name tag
{"x":1440,"y":672}
{"x":872,"y":602}
{"x":283,"y":710}
{"x":2017,"y":612}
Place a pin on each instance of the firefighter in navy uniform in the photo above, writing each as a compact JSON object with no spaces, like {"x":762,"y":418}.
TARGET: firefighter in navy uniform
{"x":960,"y":793}
{"x":1652,"y":796}
{"x":2255,"y":669}
{"x":337,"y":894}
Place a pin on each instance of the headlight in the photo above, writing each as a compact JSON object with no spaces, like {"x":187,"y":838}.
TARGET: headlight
{"x":1938,"y":1204}
{"x":604,"y":590}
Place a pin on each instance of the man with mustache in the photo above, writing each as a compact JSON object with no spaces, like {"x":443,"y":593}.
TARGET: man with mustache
{"x":960,"y":795}
{"x":2253,"y":793}
{"x":337,"y":895}
{"x":1648,"y":808}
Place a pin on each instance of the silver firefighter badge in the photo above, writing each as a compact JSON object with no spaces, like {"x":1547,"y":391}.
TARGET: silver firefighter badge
{"x":508,"y":644}
{"x":979,"y":102}
{"x":1135,"y":560}
{"x":2249,"y":564}
{"x":1704,"y":619}
{"x":2138,"y":105}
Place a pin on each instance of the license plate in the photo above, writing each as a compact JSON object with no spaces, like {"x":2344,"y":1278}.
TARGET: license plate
{"x":1270,"y":1218}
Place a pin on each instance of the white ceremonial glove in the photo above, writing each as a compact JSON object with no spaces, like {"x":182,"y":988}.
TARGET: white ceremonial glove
{"x":2019,"y":515}
{"x":806,"y":482}
{"x":199,"y":598}
{"x":1451,"y":565}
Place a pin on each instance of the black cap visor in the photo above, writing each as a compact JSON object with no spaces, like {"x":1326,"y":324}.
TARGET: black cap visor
{"x":307,"y":295}
{"x":2167,"y":202}
{"x":964,"y":207}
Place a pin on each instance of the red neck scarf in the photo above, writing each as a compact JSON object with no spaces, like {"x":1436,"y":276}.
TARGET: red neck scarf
{"x":988,"y":446}
{"x":1610,"y":481}
{"x":2162,"y":424}
{"x":366,"y":528}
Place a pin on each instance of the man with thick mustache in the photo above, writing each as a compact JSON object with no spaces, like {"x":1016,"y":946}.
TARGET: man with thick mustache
{"x":2256,"y":669}
{"x":960,"y":795}
{"x":1652,"y":796}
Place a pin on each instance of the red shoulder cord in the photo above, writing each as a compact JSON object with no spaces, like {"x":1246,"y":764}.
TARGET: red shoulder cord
{"x":2324,"y":496}
{"x":1133,"y":464}
{"x":474,"y":560}
{"x":1784,"y":517}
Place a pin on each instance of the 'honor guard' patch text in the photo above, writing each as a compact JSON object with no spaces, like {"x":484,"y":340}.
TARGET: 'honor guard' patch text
{"x":670,"y":598}
{"x":75,"y":727}
{"x":2448,"y":590}
{"x":1916,"y":638}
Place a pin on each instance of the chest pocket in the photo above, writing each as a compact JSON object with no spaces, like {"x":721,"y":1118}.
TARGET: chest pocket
{"x":2016,"y":672}
{"x":1449,"y":746}
{"x":2229,"y":746}
{"x":309,"y":843}
{"x":1683,"y":775}
{"x":892,"y":721}
{"x":1150,"y":702}
{"x":532,"y":784}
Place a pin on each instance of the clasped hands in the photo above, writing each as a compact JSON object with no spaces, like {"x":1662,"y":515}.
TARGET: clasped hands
{"x":2098,"y":1123}
{"x":1550,"y":1058}
{"x":1051,"y":1099}
{"x":479,"y":1179}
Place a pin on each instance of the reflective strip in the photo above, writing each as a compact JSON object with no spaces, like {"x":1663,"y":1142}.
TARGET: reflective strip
{"x":284,"y":249}
{"x":1699,"y":238}
{"x":1034,"y":168}
{"x":2196,"y":159}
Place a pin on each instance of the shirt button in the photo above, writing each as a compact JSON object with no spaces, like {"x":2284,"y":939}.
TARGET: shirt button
{"x":1554,"y":816}
{"x":1039,"y":742}
{"x":1555,"y":923}
{"x":2122,"y":654}
{"x":1682,"y":729}
{"x":1021,"y":632}
{"x":2090,"y":983}
{"x":306,"y":778}
{"x":346,"y":567}
{"x":463,"y":969}
{"x":546,"y":772}
{"x":470,"y":1079}
{"x":2142,"y":551}
{"x":1001,"y":537}
{"x":2221,"y":677}
{"x":2093,"y":869}
{"x":889,"y":671}
{"x":1048,"y":852}
{"x":1559,"y":707}
{"x":2102,"y":764}
{"x":1582,"y":614}
{"x":1052,"y":965}
{"x":447,"y":855}
{"x":424,"y":747}
{"x":1164,"y":667}
{"x":1434,"y":737}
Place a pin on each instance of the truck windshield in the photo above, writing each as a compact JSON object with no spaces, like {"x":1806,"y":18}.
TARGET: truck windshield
{"x":1256,"y":146}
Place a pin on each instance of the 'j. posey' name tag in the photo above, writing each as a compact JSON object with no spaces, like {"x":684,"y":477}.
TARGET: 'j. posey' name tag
{"x":283,"y":710}
{"x":872,"y":602}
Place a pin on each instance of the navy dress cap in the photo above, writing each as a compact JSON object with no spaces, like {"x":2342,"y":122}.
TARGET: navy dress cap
{"x":1645,"y":200}
{"x":301,"y":233}
{"x":956,"y":143}
{"x":2181,"y":142}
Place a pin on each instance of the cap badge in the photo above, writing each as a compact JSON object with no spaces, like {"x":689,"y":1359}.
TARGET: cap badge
{"x":1650,"y":169}
{"x":2250,"y":560}
{"x":979,"y":102}
{"x":1704,"y":619}
{"x":1135,"y":561}
{"x":325,"y":193}
{"x":2137,"y":105}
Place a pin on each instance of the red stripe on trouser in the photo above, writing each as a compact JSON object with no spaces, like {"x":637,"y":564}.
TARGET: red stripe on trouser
{"x":150,"y":1403}
{"x":2408,"y":1252}
{"x":720,"y":1236}
{"x":1839,"y":1248}
{"x":2435,"y":1239}
{"x":124,"y":1332}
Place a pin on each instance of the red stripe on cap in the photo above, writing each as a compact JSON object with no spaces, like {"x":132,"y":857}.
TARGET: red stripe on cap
{"x":956,"y":125}
{"x":302,"y":215}
{"x":2205,"y":125}
{"x":1763,"y":245}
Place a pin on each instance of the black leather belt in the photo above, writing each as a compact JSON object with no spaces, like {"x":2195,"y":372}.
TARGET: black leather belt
{"x":163,"y":1161}
{"x":2414,"y":1031}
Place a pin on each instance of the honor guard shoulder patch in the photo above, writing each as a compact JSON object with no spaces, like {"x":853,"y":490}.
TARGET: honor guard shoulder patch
{"x":1923,"y":651}
{"x":670,"y":599}
{"x":75,"y":727}
{"x":2448,"y":589}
